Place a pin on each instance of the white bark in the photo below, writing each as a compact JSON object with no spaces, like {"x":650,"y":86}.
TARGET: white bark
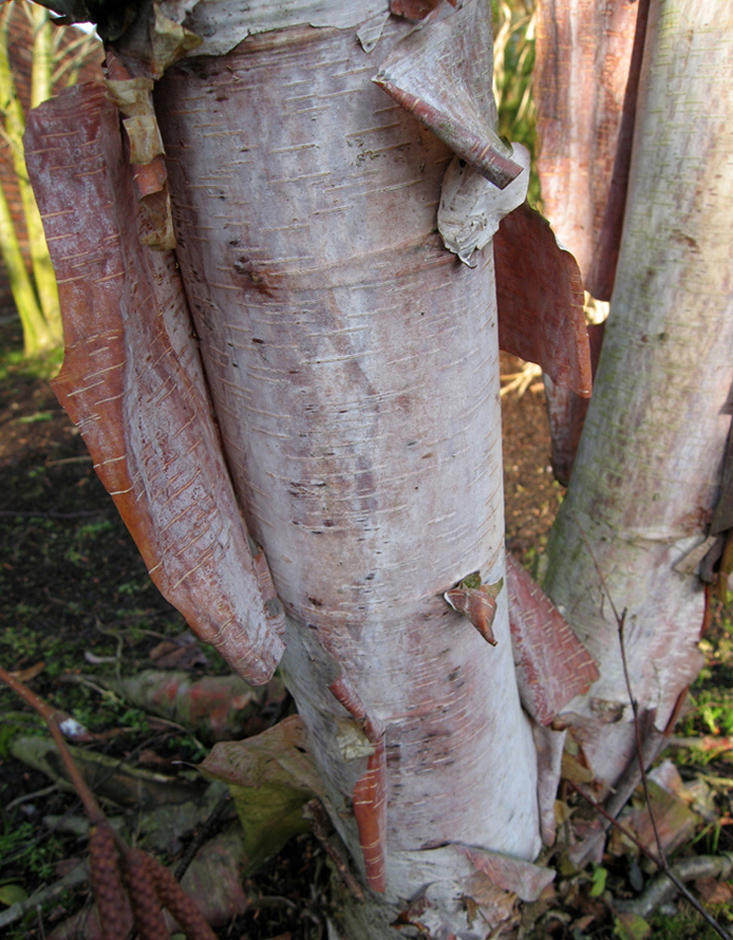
{"x":648,"y":469}
{"x":353,"y":364}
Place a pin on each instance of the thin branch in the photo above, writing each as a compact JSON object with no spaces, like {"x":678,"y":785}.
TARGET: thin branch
{"x":620,"y":622}
{"x":660,"y":860}
{"x":203,"y":834}
{"x":17,"y":911}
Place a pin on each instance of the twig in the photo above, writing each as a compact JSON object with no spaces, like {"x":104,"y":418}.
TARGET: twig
{"x":620,"y":621}
{"x":202,"y":835}
{"x":661,"y":863}
{"x":659,"y":890}
{"x":82,"y":513}
{"x":319,"y":821}
{"x":660,"y":860}
{"x":46,"y":791}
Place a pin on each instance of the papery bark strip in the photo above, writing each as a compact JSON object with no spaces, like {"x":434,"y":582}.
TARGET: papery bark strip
{"x":370,"y":791}
{"x":132,"y":381}
{"x":539,"y":293}
{"x":553,"y":666}
{"x":584,"y":52}
{"x":438,"y":73}
{"x":566,"y":412}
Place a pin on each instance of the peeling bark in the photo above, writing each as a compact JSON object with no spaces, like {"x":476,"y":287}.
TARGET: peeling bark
{"x":354,"y":372}
{"x":352,"y":364}
{"x":586,"y":101}
{"x":132,"y":381}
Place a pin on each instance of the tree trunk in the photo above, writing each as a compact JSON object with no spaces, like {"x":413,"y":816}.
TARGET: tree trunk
{"x":647,"y":473}
{"x":353,"y":367}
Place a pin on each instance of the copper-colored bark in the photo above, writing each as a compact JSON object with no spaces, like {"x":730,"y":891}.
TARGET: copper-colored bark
{"x":413,"y":9}
{"x":439,"y":74}
{"x":586,"y":107}
{"x":479,"y":605}
{"x":132,"y":381}
{"x":540,"y":298}
{"x":553,"y":666}
{"x":370,"y":792}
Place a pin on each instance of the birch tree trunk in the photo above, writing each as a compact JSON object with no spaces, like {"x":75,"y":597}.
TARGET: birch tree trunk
{"x":353,"y":367}
{"x":648,"y":470}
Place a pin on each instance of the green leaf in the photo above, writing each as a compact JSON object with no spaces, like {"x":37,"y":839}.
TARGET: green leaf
{"x":12,"y":894}
{"x":599,"y":882}
{"x":630,"y":926}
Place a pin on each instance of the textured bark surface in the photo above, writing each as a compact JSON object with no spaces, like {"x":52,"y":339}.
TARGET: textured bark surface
{"x":132,"y":380}
{"x":354,"y":371}
{"x":648,"y":470}
{"x":352,"y":364}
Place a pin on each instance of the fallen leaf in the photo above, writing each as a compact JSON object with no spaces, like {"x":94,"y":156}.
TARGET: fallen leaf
{"x":712,"y":891}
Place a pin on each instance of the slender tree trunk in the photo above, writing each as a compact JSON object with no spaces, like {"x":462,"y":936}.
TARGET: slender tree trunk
{"x":34,"y":326}
{"x":44,"y":332}
{"x":647,"y":473}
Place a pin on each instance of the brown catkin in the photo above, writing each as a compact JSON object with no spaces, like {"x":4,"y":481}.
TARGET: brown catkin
{"x":146,"y":907}
{"x":109,"y":893}
{"x":182,"y":907}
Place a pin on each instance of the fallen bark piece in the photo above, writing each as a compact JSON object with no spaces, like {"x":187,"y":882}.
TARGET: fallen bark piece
{"x":133,"y":382}
{"x":107,"y":776}
{"x":214,"y":708}
{"x":552,"y":664}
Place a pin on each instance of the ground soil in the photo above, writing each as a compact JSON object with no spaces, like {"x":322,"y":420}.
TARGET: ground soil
{"x":75,"y":591}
